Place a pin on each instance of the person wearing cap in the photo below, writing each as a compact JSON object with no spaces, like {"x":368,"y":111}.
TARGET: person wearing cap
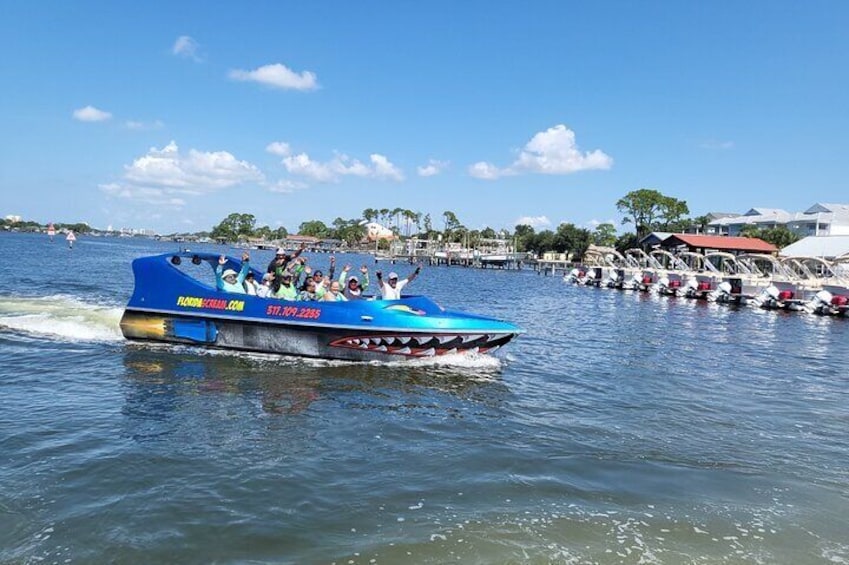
{"x":281,"y":259}
{"x":391,"y":288}
{"x":229,"y":280}
{"x":286,"y":290}
{"x":352,"y":288}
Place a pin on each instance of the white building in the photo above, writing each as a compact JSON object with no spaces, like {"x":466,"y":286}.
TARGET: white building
{"x":819,"y":219}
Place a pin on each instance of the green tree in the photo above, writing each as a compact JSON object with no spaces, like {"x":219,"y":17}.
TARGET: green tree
{"x":570,"y":238}
{"x":370,"y":214}
{"x":627,"y":241}
{"x":409,"y":220}
{"x":488,"y":233}
{"x":314,"y":228}
{"x":349,"y":231}
{"x":450,"y":223}
{"x":540,"y":242}
{"x":604,"y":235}
{"x":523,"y":234}
{"x":234,"y":226}
{"x":650,"y":210}
{"x":750,"y":230}
{"x":264,"y":232}
{"x":779,"y":236}
{"x":700,"y":223}
{"x":280,"y":233}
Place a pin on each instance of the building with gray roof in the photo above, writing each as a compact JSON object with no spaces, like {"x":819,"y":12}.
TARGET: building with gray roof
{"x":819,"y":219}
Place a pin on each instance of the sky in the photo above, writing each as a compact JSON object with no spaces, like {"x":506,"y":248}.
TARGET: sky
{"x":171,"y":115}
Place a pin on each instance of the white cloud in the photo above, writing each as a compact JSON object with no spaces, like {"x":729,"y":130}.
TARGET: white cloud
{"x":593,"y":224}
{"x":487,"y":171}
{"x":187,"y":48}
{"x":162,"y":176}
{"x":91,"y":114}
{"x":550,"y":152}
{"x":715,"y":144}
{"x":383,"y":169}
{"x":277,"y":76}
{"x":433,"y":167}
{"x":340,"y":166}
{"x":142,"y":126}
{"x":287,"y":186}
{"x":280,"y":148}
{"x":533,"y":221}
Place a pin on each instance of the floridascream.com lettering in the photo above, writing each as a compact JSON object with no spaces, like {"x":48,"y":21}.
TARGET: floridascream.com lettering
{"x":210,"y":303}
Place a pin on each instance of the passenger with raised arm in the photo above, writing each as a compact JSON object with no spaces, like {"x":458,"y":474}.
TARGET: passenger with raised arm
{"x":281,"y":259}
{"x":286,"y":290}
{"x":229,"y":280}
{"x":352,"y":288}
{"x":391,"y":288}
{"x":334,"y":293}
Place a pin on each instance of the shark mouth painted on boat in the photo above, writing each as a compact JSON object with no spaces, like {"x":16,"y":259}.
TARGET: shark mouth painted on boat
{"x":425,"y":345}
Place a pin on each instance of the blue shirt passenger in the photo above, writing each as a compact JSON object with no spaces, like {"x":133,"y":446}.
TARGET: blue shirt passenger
{"x":228,"y":280}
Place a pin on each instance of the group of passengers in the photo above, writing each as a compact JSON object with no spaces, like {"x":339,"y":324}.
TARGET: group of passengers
{"x":282,"y":280}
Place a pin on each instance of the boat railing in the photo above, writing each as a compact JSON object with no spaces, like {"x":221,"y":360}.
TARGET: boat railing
{"x":725,"y":263}
{"x":669,"y":261}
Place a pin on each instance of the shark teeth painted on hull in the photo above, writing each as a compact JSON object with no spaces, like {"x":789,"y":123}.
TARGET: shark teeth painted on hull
{"x":424,"y":345}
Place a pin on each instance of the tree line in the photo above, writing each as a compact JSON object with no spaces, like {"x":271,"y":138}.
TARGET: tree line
{"x":647,"y":210}
{"x":31,"y":226}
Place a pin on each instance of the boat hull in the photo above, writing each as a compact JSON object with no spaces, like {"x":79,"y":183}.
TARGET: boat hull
{"x":324,"y":342}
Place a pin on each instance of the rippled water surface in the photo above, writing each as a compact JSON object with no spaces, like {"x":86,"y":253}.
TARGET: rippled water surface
{"x":621,"y":428}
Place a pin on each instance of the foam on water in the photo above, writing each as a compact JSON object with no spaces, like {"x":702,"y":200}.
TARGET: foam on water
{"x":60,"y":317}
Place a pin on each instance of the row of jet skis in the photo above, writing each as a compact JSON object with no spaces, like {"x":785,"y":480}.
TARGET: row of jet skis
{"x":803,"y":284}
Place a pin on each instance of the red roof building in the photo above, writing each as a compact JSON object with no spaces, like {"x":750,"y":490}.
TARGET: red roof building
{"x":729,"y":244}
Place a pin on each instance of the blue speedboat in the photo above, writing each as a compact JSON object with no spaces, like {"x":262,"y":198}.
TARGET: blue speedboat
{"x":175,"y":300}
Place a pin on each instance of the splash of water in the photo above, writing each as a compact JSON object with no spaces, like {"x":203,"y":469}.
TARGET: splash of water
{"x":60,"y":317}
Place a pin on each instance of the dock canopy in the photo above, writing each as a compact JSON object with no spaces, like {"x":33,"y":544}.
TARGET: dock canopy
{"x":825,"y":246}
{"x":729,"y":244}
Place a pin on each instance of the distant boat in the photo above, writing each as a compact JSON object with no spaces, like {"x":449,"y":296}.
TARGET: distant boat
{"x":51,"y":231}
{"x":71,"y":238}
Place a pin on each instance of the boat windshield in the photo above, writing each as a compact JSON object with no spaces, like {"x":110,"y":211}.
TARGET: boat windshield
{"x":201,"y":270}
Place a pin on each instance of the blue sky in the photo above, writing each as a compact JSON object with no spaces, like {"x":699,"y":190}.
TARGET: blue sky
{"x":170,"y":115}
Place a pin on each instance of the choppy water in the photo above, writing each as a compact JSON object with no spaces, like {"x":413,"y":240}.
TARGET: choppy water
{"x":622,"y":428}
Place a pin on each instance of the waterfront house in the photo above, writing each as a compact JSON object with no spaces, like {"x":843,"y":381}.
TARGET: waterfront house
{"x":819,"y":219}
